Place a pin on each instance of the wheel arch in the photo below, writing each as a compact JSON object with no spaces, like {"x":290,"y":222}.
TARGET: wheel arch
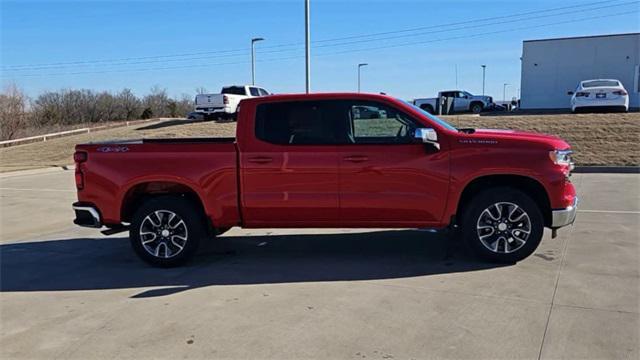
{"x":142,"y":191}
{"x":526,"y":184}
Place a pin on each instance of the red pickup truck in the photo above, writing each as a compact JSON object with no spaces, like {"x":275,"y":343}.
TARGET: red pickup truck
{"x":329,"y":160}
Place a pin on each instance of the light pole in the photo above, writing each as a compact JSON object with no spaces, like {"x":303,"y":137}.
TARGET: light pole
{"x":504,"y":92}
{"x":359,"y":67}
{"x":253,"y":59}
{"x":307,"y":44}
{"x":484,"y":68}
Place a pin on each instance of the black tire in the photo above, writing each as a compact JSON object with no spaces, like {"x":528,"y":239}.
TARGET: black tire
{"x":508,"y":234}
{"x":157,"y":210}
{"x":476,"y":108}
{"x":427,"y":108}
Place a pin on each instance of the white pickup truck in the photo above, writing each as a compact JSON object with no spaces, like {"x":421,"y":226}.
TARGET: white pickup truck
{"x":225,"y":104}
{"x":463,"y":101}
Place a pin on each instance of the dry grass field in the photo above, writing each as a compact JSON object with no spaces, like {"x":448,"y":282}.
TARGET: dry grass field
{"x":598,"y":139}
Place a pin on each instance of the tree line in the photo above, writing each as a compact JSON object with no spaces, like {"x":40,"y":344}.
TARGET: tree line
{"x":22,"y":116}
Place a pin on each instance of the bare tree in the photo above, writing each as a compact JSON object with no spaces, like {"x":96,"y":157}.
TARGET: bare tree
{"x":12,"y":111}
{"x":201,"y":90}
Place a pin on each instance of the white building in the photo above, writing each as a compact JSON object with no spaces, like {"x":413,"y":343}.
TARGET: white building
{"x":552,"y":67}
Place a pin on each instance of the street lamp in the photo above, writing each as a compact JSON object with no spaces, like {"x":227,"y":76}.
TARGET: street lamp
{"x":307,"y":50}
{"x":504,"y":92}
{"x":253,"y":59}
{"x":359,"y":67}
{"x":484,"y":68}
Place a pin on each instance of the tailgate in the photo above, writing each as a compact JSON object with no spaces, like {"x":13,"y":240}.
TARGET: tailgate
{"x":209,"y":100}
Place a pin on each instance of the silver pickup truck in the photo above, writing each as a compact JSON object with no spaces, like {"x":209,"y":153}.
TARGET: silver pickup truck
{"x":463,"y":102}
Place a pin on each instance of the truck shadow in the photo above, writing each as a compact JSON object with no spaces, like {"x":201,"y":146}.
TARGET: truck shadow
{"x":109,"y":263}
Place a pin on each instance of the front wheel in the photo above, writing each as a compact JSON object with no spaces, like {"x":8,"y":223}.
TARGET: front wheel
{"x":503,"y":225}
{"x":165,"y":231}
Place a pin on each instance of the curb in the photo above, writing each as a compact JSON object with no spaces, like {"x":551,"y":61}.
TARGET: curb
{"x":607,"y":170}
{"x":47,"y":170}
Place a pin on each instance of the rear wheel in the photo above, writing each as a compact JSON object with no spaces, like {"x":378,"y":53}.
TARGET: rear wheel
{"x":165,"y":231}
{"x":502,"y":225}
{"x":476,"y":108}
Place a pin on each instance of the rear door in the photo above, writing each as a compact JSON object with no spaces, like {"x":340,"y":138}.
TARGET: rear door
{"x":289,"y":171}
{"x":386,"y":178}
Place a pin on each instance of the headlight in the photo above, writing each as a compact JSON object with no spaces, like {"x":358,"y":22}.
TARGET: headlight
{"x":562,"y":157}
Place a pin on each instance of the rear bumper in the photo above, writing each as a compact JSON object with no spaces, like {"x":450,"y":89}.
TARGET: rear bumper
{"x":87,"y":215}
{"x":564,"y":217}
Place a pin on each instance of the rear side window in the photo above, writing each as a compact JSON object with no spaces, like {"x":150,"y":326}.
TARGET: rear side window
{"x":254,"y":91}
{"x":233,"y":90}
{"x":296,"y":123}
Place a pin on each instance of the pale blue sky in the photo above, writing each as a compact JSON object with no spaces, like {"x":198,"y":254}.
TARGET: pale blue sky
{"x":110,"y":45}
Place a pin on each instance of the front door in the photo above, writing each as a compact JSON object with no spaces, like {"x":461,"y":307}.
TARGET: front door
{"x":289,"y":173}
{"x":386,"y":178}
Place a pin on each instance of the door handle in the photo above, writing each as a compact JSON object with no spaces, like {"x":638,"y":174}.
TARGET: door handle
{"x":260,"y":160}
{"x":356,"y":158}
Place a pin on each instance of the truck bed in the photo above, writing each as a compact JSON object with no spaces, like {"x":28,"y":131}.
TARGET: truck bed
{"x":115,"y":171}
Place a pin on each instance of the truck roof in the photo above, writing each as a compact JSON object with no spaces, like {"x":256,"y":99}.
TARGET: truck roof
{"x":320,"y":96}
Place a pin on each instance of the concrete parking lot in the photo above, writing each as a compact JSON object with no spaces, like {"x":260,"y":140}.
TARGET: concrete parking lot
{"x":69,"y":292}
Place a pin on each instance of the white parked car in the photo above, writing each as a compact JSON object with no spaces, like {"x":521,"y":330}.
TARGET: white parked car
{"x":225,"y":104}
{"x":599,"y":93}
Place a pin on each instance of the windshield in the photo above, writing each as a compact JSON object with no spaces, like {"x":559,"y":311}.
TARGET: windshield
{"x":600,"y":83}
{"x":431,"y":117}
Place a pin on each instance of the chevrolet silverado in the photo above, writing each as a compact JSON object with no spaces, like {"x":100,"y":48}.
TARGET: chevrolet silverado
{"x":318,"y":160}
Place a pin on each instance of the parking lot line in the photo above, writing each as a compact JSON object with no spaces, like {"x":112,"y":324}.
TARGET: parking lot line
{"x":610,"y":211}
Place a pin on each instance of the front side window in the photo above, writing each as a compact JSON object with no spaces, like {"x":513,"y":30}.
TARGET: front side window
{"x":263,"y":92}
{"x":375,"y":123}
{"x":296,"y":123}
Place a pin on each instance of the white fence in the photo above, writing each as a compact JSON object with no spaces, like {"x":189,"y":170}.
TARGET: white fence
{"x":45,"y":137}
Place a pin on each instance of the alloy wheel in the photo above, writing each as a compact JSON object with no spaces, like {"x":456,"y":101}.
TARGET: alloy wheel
{"x":503,"y":227}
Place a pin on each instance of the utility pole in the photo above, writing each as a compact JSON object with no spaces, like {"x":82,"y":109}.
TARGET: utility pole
{"x":456,"y":76}
{"x":360,"y":66}
{"x":504,"y":92}
{"x":253,"y":59}
{"x":307,"y":43}
{"x":484,"y":68}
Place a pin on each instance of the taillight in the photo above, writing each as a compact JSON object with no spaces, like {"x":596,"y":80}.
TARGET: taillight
{"x":582,"y":94}
{"x":79,"y":157}
{"x":225,"y":99}
{"x":79,"y":179}
{"x":620,"y":92}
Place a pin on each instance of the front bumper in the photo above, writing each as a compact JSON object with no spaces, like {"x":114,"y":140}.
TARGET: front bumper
{"x":564,"y":217}
{"x":87,"y":215}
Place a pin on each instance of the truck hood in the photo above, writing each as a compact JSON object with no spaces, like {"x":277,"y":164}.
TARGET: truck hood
{"x":551,"y":140}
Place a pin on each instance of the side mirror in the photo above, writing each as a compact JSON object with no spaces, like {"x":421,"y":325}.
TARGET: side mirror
{"x":569,"y":92}
{"x":427,"y":136}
